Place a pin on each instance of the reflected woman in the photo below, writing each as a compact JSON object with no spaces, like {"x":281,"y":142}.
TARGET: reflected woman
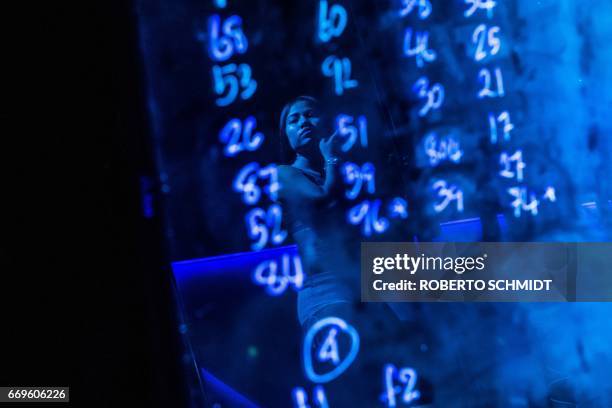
{"x":310,"y":185}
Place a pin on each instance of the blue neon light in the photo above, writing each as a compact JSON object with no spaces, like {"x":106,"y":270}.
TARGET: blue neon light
{"x":300,"y":398}
{"x":486,"y":40}
{"x":332,"y":21}
{"x":231,"y":80}
{"x":521,"y":196}
{"x":441,"y":148}
{"x":339,"y":69}
{"x":331,"y":323}
{"x":448,"y":193}
{"x":420,"y":50}
{"x":246,"y":180}
{"x":407,"y":377}
{"x":507,"y":126}
{"x":350,"y":132}
{"x":485,"y":77}
{"x":398,"y":208}
{"x":366,"y":214}
{"x":238,"y":137}
{"x":265,"y":226}
{"x":475,"y":5}
{"x":424,"y":8}
{"x":276,"y":280}
{"x":227,"y":38}
{"x":506,"y":161}
{"x":434,"y":96}
{"x":356,"y":176}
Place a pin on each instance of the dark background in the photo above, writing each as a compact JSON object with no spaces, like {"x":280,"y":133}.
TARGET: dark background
{"x":78,"y":308}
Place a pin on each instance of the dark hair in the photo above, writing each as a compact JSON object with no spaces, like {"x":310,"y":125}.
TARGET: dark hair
{"x":287,"y":154}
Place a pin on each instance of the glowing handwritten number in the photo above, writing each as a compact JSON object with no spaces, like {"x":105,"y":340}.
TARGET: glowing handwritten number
{"x":257,"y":229}
{"x":549,"y":194}
{"x":483,"y":35}
{"x":443,"y":148}
{"x":329,"y":348}
{"x":226,"y":38}
{"x":448,"y":193}
{"x":246,"y":182}
{"x":434,"y":96}
{"x":347,"y":130}
{"x":271,"y":188}
{"x":300,"y":398}
{"x":277,"y":281}
{"x":420,"y":50}
{"x":275,"y":216}
{"x":476,"y":5}
{"x":232,"y":79}
{"x":332,"y":21}
{"x":398,"y":208}
{"x":265,"y":226}
{"x":507,"y":126}
{"x":340,"y":71}
{"x":357,"y":177}
{"x":406,"y":376}
{"x":506,"y":161}
{"x":409,"y":5}
{"x":366,"y":214}
{"x":520,"y":201}
{"x":238,"y":138}
{"x":485,"y":78}
{"x":340,"y":327}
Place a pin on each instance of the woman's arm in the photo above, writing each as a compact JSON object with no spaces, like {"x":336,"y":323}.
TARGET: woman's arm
{"x":328,"y":147}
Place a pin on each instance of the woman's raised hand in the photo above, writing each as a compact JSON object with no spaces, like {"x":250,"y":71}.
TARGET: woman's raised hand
{"x":330,"y":146}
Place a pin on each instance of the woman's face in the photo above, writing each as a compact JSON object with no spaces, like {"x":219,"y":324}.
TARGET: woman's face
{"x":301,"y":127}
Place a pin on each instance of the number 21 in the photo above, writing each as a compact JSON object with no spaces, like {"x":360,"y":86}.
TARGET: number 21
{"x":485,"y":77}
